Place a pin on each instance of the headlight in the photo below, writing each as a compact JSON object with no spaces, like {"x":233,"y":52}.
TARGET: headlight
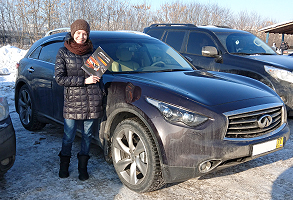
{"x":279,"y":73}
{"x":176,"y":114}
{"x":4,"y":108}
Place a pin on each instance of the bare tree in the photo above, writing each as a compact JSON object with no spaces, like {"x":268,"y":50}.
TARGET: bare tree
{"x":138,"y":17}
{"x":30,"y":19}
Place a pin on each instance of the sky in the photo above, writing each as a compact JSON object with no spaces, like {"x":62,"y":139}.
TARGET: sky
{"x":280,"y":11}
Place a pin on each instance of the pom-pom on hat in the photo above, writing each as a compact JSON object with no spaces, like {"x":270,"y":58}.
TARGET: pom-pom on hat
{"x":80,"y":24}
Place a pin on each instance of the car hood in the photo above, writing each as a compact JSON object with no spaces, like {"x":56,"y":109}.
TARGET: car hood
{"x":285,"y":62}
{"x":208,"y":88}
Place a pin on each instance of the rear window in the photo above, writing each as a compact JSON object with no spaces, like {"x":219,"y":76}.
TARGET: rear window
{"x":49,"y":52}
{"x":156,"y":33}
{"x":35,"y":54}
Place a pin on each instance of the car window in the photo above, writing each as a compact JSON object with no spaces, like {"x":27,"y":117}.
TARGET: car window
{"x":197,"y":40}
{"x":49,"y":52}
{"x":142,"y":55}
{"x":175,"y":39}
{"x":243,"y":43}
{"x":35,"y":54}
{"x":156,"y":33}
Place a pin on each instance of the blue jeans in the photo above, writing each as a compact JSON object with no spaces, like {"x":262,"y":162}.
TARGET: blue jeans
{"x":70,"y":127}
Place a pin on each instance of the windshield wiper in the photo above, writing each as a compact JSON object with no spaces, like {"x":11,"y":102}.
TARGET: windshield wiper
{"x":172,"y":70}
{"x":253,"y":53}
{"x":264,"y":53}
{"x":242,"y":53}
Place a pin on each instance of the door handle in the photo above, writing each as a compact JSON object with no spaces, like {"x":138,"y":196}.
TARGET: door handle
{"x":31,"y":69}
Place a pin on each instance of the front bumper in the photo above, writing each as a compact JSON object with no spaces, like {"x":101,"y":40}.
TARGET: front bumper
{"x":285,"y":91}
{"x":7,"y":145}
{"x":221,"y":154}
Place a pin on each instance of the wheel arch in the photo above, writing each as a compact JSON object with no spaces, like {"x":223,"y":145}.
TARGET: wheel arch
{"x":123,"y":112}
{"x":34,"y":123}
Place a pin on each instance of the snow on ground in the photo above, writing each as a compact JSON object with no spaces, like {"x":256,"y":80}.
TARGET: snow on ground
{"x":35,"y":171}
{"x":9,"y":57}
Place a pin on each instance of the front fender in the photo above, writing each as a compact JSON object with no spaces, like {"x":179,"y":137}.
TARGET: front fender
{"x":117,"y":109}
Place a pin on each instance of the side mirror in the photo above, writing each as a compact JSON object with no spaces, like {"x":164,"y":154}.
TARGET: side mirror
{"x":210,"y":51}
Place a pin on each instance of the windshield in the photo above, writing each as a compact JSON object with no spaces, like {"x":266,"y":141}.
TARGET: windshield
{"x":243,"y":44}
{"x":143,"y":56}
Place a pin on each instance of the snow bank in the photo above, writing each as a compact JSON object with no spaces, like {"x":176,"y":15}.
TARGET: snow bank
{"x":9,"y":56}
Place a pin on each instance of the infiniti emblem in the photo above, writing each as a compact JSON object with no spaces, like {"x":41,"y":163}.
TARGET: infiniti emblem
{"x":265,"y":121}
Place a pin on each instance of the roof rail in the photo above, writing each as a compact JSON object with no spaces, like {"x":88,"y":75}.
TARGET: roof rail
{"x":218,"y":26}
{"x":188,"y":25}
{"x":135,"y":32}
{"x":57,"y":30}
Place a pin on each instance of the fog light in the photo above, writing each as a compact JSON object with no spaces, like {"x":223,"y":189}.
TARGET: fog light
{"x":208,"y":165}
{"x":205,"y":166}
{"x":5,"y":161}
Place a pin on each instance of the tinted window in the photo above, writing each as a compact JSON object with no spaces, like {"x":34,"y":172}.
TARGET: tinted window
{"x":156,"y":33}
{"x":175,"y":39}
{"x":36,"y":53}
{"x":196,"y":41}
{"x":49,"y":52}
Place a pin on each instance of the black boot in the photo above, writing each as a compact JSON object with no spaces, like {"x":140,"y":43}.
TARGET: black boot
{"x":64,"y":165}
{"x":82,"y":167}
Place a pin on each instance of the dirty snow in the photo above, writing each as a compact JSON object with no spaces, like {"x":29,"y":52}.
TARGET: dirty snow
{"x":35,"y":172}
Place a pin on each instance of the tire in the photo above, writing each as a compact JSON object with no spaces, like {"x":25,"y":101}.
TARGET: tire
{"x":27,"y":111}
{"x":5,"y":168}
{"x":136,"y":161}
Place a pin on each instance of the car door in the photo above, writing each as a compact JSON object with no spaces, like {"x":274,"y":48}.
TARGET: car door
{"x":44,"y":84}
{"x":57,"y":90}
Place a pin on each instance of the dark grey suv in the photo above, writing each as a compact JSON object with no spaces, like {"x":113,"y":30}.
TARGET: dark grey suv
{"x":230,"y":50}
{"x":7,"y":138}
{"x":164,"y":120}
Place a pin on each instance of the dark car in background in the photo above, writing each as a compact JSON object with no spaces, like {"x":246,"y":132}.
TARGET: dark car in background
{"x":164,"y":120}
{"x":232,"y":51}
{"x":7,"y":138}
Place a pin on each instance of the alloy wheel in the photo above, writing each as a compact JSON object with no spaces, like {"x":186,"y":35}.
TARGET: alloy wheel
{"x":130,"y":156}
{"x":25,"y":107}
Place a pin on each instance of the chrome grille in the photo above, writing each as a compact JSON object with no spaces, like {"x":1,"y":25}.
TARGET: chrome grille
{"x":254,"y":123}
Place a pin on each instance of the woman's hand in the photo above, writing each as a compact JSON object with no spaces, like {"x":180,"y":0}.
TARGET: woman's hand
{"x":92,"y":80}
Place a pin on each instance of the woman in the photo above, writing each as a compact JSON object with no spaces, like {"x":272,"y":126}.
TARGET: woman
{"x":82,"y":96}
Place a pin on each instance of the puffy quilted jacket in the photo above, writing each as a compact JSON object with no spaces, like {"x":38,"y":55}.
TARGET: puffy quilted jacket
{"x":81,"y":101}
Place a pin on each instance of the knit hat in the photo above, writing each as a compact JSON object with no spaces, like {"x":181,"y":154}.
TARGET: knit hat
{"x":80,"y":24}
